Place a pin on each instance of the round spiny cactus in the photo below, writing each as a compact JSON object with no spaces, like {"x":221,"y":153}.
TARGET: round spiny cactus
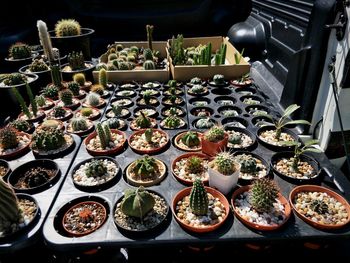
{"x":134,"y":49}
{"x":40,"y":100}
{"x":196,"y":80}
{"x":14,"y":79}
{"x":225,"y":163}
{"x":119,"y":47}
{"x":74,"y":87}
{"x":66,"y":97}
{"x":197,"y":89}
{"x":235,"y":138}
{"x":145,"y":167}
{"x":215,"y":134}
{"x":86,"y":112}
{"x":263,"y":194}
{"x":20,"y":125}
{"x":48,"y":139}
{"x":112,"y":57}
{"x":101,"y":65}
{"x":47,"y":124}
{"x":199,"y":198}
{"x":123,"y":66}
{"x":8,"y":138}
{"x":76,"y":60}
{"x":96,"y":168}
{"x":149,"y":65}
{"x":59,"y":112}
{"x":172,"y":122}
{"x":38,"y":65}
{"x":194,"y":165}
{"x":19,"y":51}
{"x":248,"y":164}
{"x":219,"y":79}
{"x":204,"y":123}
{"x":9,"y":210}
{"x":79,"y":78}
{"x":190,"y":139}
{"x":79,"y":124}
{"x":50,"y":91}
{"x":67,"y":27}
{"x":137,"y":203}
{"x":114,"y":123}
{"x":93,"y":99}
{"x":148,"y":54}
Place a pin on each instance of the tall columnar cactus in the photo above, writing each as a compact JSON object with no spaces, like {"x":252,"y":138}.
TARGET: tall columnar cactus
{"x":224,"y":163}
{"x":143,"y":121}
{"x":215,"y":134}
{"x":108,"y":133}
{"x":149,"y":29}
{"x":9,"y":210}
{"x":45,"y":40}
{"x":190,"y":139}
{"x":149,"y":65}
{"x":66,"y":97}
{"x":67,"y":27}
{"x":32,"y":100}
{"x":148,"y":135}
{"x":48,"y":139}
{"x":199,"y":198}
{"x":148,"y":54}
{"x":79,"y":124}
{"x":102,"y":136}
{"x":8,"y":138}
{"x":145,"y":167}
{"x":76,"y":60}
{"x":56,"y":75}
{"x":263,"y":194}
{"x":96,"y":168}
{"x":102,"y":77}
{"x":79,"y":78}
{"x":19,"y":51}
{"x":137,"y":203}
{"x":22,"y":103}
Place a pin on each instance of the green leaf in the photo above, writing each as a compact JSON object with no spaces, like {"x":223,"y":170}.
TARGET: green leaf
{"x":297,"y":122}
{"x":312,"y":149}
{"x":290,"y":143}
{"x":290,"y":109}
{"x":311,"y":142}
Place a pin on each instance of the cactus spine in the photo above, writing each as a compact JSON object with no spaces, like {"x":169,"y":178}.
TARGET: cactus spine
{"x":199,"y":198}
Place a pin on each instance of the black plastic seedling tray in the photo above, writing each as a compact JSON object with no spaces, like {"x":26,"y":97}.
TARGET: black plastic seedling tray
{"x":171,"y":233}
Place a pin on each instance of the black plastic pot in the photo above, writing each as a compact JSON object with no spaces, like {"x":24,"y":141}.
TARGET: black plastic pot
{"x":44,"y":78}
{"x":68,"y":75}
{"x":73,"y":43}
{"x":246,"y":132}
{"x":13,"y":65}
{"x":305,"y":158}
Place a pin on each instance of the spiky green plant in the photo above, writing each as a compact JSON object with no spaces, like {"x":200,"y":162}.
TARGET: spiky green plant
{"x":204,"y":123}
{"x":196,"y":81}
{"x":284,"y":120}
{"x":97,"y":88}
{"x":56,"y":75}
{"x":22,"y":103}
{"x":20,"y":125}
{"x":224,"y":163}
{"x":74,"y":87}
{"x":190,"y":139}
{"x":59,"y":112}
{"x":149,"y":65}
{"x":263,"y":194}
{"x":177,"y":50}
{"x":114,"y":123}
{"x":67,"y":27}
{"x":76,"y":60}
{"x":19,"y":51}
{"x":40,"y":100}
{"x":48,"y":139}
{"x":50,"y":91}
{"x":117,"y":110}
{"x":108,"y":133}
{"x":96,"y":168}
{"x":199,"y":201}
{"x":86,"y":112}
{"x":215,"y":134}
{"x":101,"y":133}
{"x":38,"y":65}
{"x":143,"y":121}
{"x":172,"y":122}
{"x":219,"y":79}
{"x":93,"y":99}
{"x":102,"y":77}
{"x":9,"y":210}
{"x":235,"y":138}
{"x":66,"y":97}
{"x":238,"y":56}
{"x":145,"y":167}
{"x":149,"y":135}
{"x":248,"y":163}
{"x":194,"y":165}
{"x":197,"y":89}
{"x":8,"y":138}
{"x":137,"y":202}
{"x":13,"y":79}
{"x":50,"y":124}
{"x":148,"y":54}
{"x":79,"y":124}
{"x":149,"y":29}
{"x":79,"y":78}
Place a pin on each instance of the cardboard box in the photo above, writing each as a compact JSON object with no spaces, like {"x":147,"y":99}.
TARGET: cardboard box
{"x":230,"y":70}
{"x":120,"y":76}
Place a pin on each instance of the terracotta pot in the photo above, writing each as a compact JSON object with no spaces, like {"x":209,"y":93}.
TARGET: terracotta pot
{"x":280,"y":197}
{"x":20,"y":151}
{"x":65,"y":118}
{"x":316,"y":188}
{"x":96,"y":114}
{"x":224,"y":183}
{"x":134,"y":182}
{"x":187,"y":155}
{"x":154,"y":150}
{"x":115,"y":150}
{"x":212,"y":148}
{"x":178,"y":145}
{"x":97,"y":226}
{"x":186,"y":192}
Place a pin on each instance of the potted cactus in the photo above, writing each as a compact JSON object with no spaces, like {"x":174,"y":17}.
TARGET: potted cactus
{"x":44,"y":103}
{"x":60,"y":113}
{"x":22,"y":126}
{"x":40,"y":68}
{"x":252,"y":166}
{"x":51,"y":142}
{"x":146,"y":171}
{"x":67,"y":100}
{"x":94,"y":100}
{"x":13,"y":143}
{"x":142,"y":122}
{"x":77,"y":64}
{"x":117,"y":111}
{"x":18,"y":212}
{"x":69,"y":36}
{"x":147,"y":99}
{"x":90,"y":113}
{"x":198,"y":90}
{"x":100,"y":90}
{"x":81,"y":80}
{"x":95,"y":173}
{"x":260,"y":205}
{"x":297,"y":166}
{"x":204,"y":123}
{"x":214,"y":140}
{"x":194,"y":208}
{"x":196,"y":81}
{"x":115,"y":123}
{"x":173,"y":110}
{"x":140,"y":211}
{"x":147,"y":141}
{"x":189,"y":141}
{"x":104,"y":141}
{"x":78,"y":93}
{"x":19,"y":55}
{"x":223,"y":172}
{"x":172,"y":100}
{"x":80,"y":126}
{"x":172,"y":122}
{"x":239,"y":138}
{"x":244,"y":80}
{"x":189,"y":166}
{"x":276,"y":136}
{"x":56,"y":124}
{"x":218,"y":81}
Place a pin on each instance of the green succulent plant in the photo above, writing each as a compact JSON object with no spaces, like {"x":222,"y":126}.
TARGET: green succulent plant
{"x":149,"y":65}
{"x":86,"y":112}
{"x":194,"y":165}
{"x":59,"y":112}
{"x":319,"y":206}
{"x":143,"y":121}
{"x":66,"y":97}
{"x":190,"y":139}
{"x":8,"y":138}
{"x":145,"y":167}
{"x":10,"y":212}
{"x":20,"y":51}
{"x":20,"y":125}
{"x":172,"y":122}
{"x":224,"y":163}
{"x":67,"y":27}
{"x":76,"y":60}
{"x":74,"y":87}
{"x":199,"y":201}
{"x":93,"y":99}
{"x":50,"y":91}
{"x":38,"y":65}
{"x":248,"y":163}
{"x":149,"y":135}
{"x":48,"y":139}
{"x":263,"y":194}
{"x":13,"y":79}
{"x":79,"y":78}
{"x":79,"y":124}
{"x":215,"y":134}
{"x":96,"y":168}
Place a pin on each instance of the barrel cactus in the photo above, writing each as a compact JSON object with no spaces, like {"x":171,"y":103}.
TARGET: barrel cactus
{"x":20,"y":51}
{"x":114,"y":123}
{"x":215,"y":134}
{"x":199,"y":198}
{"x":149,"y":65}
{"x":145,"y":167}
{"x":38,"y":65}
{"x":194,"y":165}
{"x":143,"y":121}
{"x":79,"y":78}
{"x":123,"y":66}
{"x":51,"y":91}
{"x":112,"y":56}
{"x":20,"y":125}
{"x":9,"y":210}
{"x":96,"y":168}
{"x":74,"y":87}
{"x":48,"y":139}
{"x":204,"y":123}
{"x":148,"y":54}
{"x":235,"y":138}
{"x":93,"y":99}
{"x":197,"y":89}
{"x":104,"y":134}
{"x":219,"y":79}
{"x":224,"y":163}
{"x":8,"y":138}
{"x":67,"y":27}
{"x":263,"y":194}
{"x":137,"y":202}
{"x":66,"y":97}
{"x":47,"y":124}
{"x":59,"y":112}
{"x":148,"y":135}
{"x":86,"y":112}
{"x":190,"y":139}
{"x":79,"y":124}
{"x":195,"y":81}
{"x":248,"y":164}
